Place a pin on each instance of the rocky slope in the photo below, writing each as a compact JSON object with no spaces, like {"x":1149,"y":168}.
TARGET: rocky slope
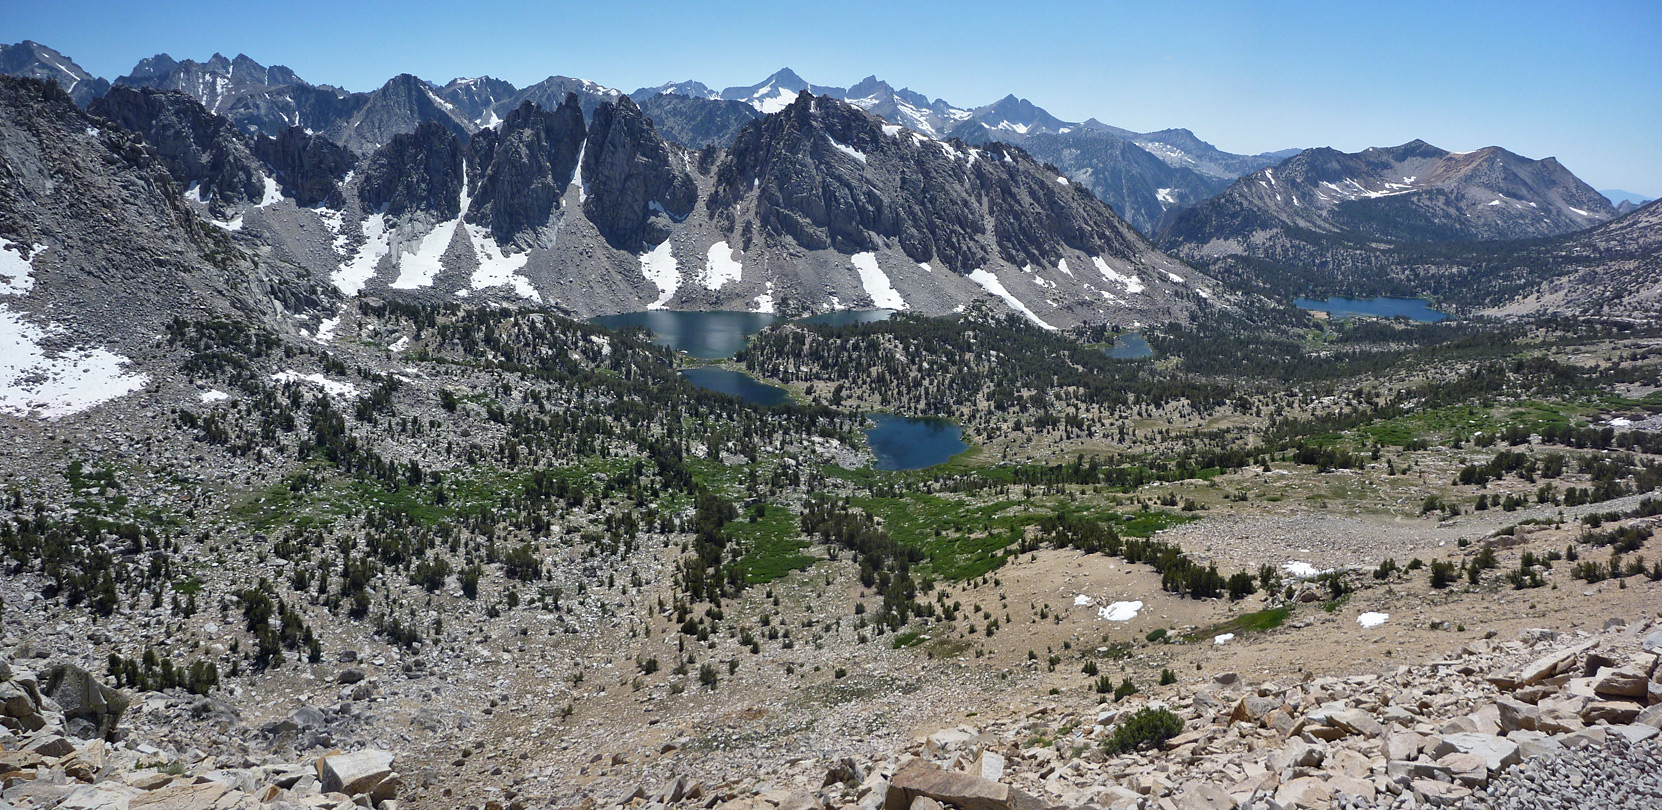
{"x":74,"y":742}
{"x":1140,"y":186}
{"x":202,"y":151}
{"x":99,"y":250}
{"x":1491,"y":725}
{"x":1410,"y":193}
{"x":1614,"y":270}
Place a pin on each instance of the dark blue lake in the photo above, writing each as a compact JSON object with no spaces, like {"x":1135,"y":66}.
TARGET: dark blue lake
{"x":1415,"y":309}
{"x":1130,"y":347}
{"x":738,"y":384}
{"x":705,"y":335}
{"x":846,"y":317}
{"x":902,"y":443}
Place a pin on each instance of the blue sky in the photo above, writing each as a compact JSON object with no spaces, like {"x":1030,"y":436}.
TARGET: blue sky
{"x":1581,"y":81}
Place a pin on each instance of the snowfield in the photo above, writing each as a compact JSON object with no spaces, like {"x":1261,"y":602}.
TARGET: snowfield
{"x":354,"y":273}
{"x":326,"y":330}
{"x":1120,"y":611}
{"x":990,"y":283}
{"x":16,"y":272}
{"x":330,"y":387}
{"x":764,"y":302}
{"x":34,"y":382}
{"x":658,"y":265}
{"x":876,"y":282}
{"x":720,"y":268}
{"x":846,"y":149}
{"x":1372,"y":619}
{"x":1131,"y":283}
{"x":496,"y":269}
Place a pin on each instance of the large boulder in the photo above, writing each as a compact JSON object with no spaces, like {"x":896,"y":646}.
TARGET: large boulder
{"x":82,"y":697}
{"x":961,"y":790}
{"x":1553,"y":663}
{"x":1497,"y":752}
{"x":358,"y":773}
{"x":1622,"y":682}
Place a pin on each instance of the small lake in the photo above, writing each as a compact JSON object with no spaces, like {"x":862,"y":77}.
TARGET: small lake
{"x":1415,"y":309}
{"x":704,"y":335}
{"x":738,"y":384}
{"x":849,"y":317}
{"x":1130,"y":347}
{"x":903,"y":443}
{"x":900,"y":443}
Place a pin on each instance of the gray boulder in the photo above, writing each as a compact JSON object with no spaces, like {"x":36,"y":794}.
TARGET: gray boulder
{"x":82,"y":696}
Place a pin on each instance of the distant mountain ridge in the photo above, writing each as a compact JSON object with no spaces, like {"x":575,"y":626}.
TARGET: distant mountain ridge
{"x":568,"y":191}
{"x":817,"y":207}
{"x":36,"y":61}
{"x":1326,"y":221}
{"x":1091,"y":153}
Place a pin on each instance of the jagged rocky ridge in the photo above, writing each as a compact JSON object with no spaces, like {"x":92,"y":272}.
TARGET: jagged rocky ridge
{"x":1145,"y":177}
{"x":820,"y":206}
{"x":36,"y":61}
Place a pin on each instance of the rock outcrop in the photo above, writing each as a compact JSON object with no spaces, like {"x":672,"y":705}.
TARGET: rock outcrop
{"x":522,"y":169}
{"x":308,"y":167}
{"x":421,"y":171}
{"x":635,"y":190}
{"x":201,"y":150}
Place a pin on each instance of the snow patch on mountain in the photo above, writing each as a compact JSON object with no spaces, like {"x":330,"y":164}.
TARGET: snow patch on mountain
{"x":876,"y":282}
{"x":846,"y":149}
{"x":658,"y":265}
{"x":36,"y":381}
{"x":991,"y":284}
{"x":330,"y":387}
{"x":326,"y":330}
{"x":720,"y":268}
{"x":16,"y":272}
{"x":354,"y":273}
{"x":273,"y":194}
{"x":497,"y":269}
{"x":1131,"y":283}
{"x":772,"y":99}
{"x":419,"y":269}
{"x":764,"y":302}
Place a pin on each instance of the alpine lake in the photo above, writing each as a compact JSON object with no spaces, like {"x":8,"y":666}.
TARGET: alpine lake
{"x":1414,"y":309}
{"x":898,"y":442}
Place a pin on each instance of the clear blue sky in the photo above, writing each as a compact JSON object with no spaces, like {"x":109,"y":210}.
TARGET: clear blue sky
{"x":1579,"y":80}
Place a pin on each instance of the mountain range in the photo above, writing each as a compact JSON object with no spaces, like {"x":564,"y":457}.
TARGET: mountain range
{"x":1142,"y":175}
{"x":1326,"y":221}
{"x":818,"y":206}
{"x":573,"y":194}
